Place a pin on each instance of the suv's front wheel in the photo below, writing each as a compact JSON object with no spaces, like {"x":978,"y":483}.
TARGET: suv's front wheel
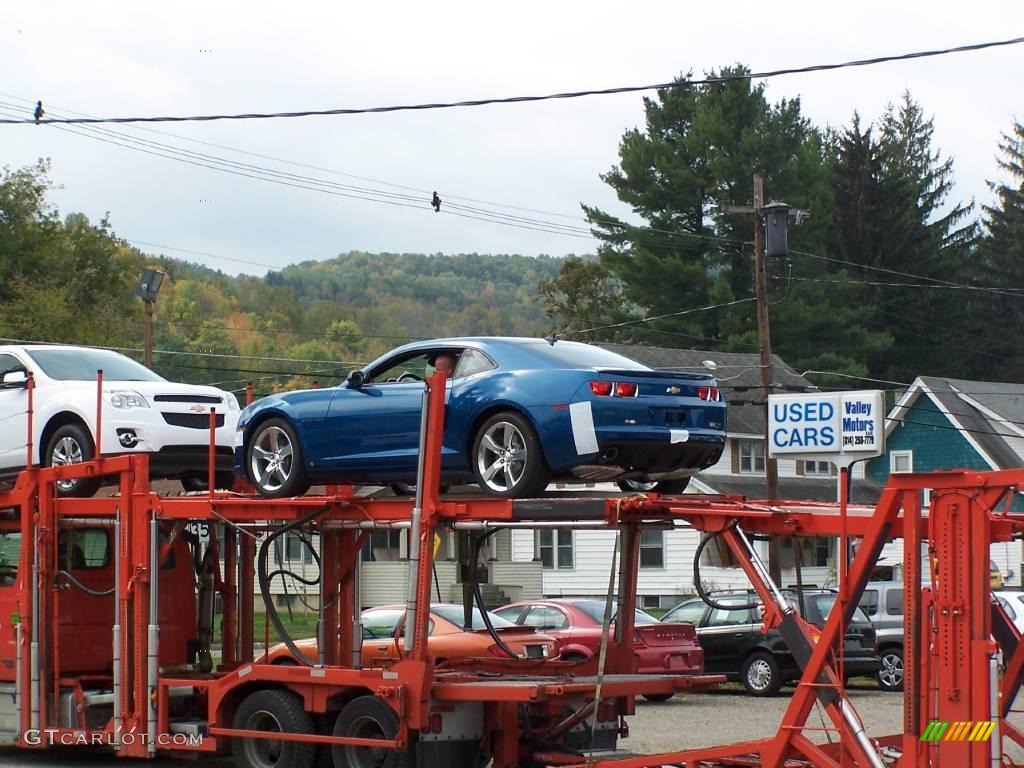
{"x":760,"y":674}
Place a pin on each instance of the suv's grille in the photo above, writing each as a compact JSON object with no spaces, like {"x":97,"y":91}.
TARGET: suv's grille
{"x":192,"y":420}
{"x":188,"y":399}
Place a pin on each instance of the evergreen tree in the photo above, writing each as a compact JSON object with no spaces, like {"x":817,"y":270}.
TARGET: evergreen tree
{"x":694,"y":159}
{"x":1001,"y":259}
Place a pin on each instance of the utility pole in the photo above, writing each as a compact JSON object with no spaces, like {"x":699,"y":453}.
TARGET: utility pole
{"x":764,"y":339}
{"x":149,"y":333}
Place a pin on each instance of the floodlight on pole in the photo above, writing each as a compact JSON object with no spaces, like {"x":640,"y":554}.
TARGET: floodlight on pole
{"x":147,"y":289}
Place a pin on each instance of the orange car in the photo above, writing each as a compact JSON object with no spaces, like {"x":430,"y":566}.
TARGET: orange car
{"x":383,"y":638}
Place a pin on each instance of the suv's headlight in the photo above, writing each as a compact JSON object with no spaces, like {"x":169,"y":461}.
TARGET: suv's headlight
{"x":126,"y":398}
{"x":232,"y":401}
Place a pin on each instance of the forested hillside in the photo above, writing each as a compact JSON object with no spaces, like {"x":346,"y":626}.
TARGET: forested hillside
{"x":64,"y":279}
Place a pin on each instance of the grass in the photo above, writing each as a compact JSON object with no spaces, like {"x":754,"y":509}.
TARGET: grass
{"x":299,"y":625}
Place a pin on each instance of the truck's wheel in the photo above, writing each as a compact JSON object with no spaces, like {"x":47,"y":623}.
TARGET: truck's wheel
{"x":273,"y":711}
{"x":368,"y":718}
{"x":71,"y":444}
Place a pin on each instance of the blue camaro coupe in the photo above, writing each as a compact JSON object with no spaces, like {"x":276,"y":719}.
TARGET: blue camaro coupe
{"x":520,"y":412}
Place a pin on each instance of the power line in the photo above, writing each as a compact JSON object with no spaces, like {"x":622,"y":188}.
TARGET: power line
{"x":526,"y":99}
{"x":657,"y":317}
{"x":932,"y":286}
{"x":447,"y":196}
{"x":869,"y":267}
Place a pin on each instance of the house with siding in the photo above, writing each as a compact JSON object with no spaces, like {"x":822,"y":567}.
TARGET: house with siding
{"x":385,"y":571}
{"x":943,"y":424}
{"x":576,"y":562}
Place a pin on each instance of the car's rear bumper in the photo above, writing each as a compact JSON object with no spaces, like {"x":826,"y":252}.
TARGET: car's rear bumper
{"x":680,"y":661}
{"x":657,"y":452}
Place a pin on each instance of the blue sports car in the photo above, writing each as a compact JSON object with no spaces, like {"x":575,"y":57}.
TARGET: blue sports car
{"x":520,"y":412}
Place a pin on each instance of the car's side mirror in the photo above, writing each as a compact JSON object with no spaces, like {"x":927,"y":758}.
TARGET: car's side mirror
{"x":354,"y":380}
{"x":17,"y":379}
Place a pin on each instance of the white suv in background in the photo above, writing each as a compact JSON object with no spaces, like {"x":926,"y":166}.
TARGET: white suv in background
{"x":141,"y":413}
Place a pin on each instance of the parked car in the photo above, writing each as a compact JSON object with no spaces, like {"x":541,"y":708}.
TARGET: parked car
{"x":520,"y":413}
{"x":141,"y":413}
{"x":576,"y":624}
{"x":735,"y":646}
{"x":1013,"y":603}
{"x":882,"y":601}
{"x":383,"y":630}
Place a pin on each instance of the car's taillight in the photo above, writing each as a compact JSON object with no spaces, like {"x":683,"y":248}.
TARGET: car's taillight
{"x":501,"y":653}
{"x":614,"y":389}
{"x":711,"y":394}
{"x":637,"y":640}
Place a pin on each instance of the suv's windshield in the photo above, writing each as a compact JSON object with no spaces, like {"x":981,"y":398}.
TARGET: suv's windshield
{"x":595,"y":610}
{"x":82,"y":364}
{"x":456,"y":615}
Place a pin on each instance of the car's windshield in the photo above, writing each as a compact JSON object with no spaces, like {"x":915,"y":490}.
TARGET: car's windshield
{"x":82,"y":364}
{"x":595,"y":610}
{"x":456,"y":615}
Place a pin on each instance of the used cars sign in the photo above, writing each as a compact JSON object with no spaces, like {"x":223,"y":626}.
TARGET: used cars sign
{"x":835,"y":423}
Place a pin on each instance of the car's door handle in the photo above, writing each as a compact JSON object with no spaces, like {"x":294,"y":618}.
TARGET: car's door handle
{"x":382,"y":648}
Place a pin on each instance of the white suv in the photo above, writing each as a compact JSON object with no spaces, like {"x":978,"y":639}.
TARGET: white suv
{"x":142,"y":413}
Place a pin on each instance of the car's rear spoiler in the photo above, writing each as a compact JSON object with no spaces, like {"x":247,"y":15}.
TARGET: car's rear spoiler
{"x":652,"y":374}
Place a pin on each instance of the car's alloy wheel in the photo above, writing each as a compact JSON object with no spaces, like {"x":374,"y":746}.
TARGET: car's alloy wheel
{"x":275,"y":460}
{"x":890,"y":674}
{"x":761,"y":675}
{"x":71,"y":444}
{"x":507,"y":459}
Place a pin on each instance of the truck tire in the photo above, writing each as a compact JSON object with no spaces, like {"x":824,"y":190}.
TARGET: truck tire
{"x":71,"y":444}
{"x":760,"y":674}
{"x":367,"y":717}
{"x":273,"y":711}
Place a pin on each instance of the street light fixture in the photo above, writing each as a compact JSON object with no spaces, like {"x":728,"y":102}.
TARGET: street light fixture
{"x":147,"y":289}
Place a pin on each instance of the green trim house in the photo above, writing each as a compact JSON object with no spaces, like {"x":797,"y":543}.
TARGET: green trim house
{"x":942,"y":424}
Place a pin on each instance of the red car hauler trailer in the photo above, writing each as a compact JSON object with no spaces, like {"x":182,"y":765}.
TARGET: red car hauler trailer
{"x":147,"y":685}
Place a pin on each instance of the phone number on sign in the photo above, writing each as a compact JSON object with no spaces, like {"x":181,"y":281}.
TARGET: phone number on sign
{"x":852,"y":441}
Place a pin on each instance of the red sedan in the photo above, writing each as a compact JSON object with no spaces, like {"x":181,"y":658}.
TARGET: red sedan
{"x":576,"y":624}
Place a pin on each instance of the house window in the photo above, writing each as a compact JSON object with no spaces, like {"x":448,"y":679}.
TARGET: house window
{"x":556,"y":548}
{"x":901,"y":461}
{"x":812,"y":467}
{"x":292,"y":549}
{"x":286,"y":601}
{"x":652,"y":549}
{"x":751,"y":456}
{"x":815,"y":551}
{"x":382,"y":546}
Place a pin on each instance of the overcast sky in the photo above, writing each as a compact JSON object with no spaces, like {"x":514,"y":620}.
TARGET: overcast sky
{"x":184,"y":58}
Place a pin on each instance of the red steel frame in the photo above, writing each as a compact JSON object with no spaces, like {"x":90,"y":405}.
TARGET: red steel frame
{"x":949,"y":652}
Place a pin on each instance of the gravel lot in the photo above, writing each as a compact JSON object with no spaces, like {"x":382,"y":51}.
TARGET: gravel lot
{"x":688,"y":720}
